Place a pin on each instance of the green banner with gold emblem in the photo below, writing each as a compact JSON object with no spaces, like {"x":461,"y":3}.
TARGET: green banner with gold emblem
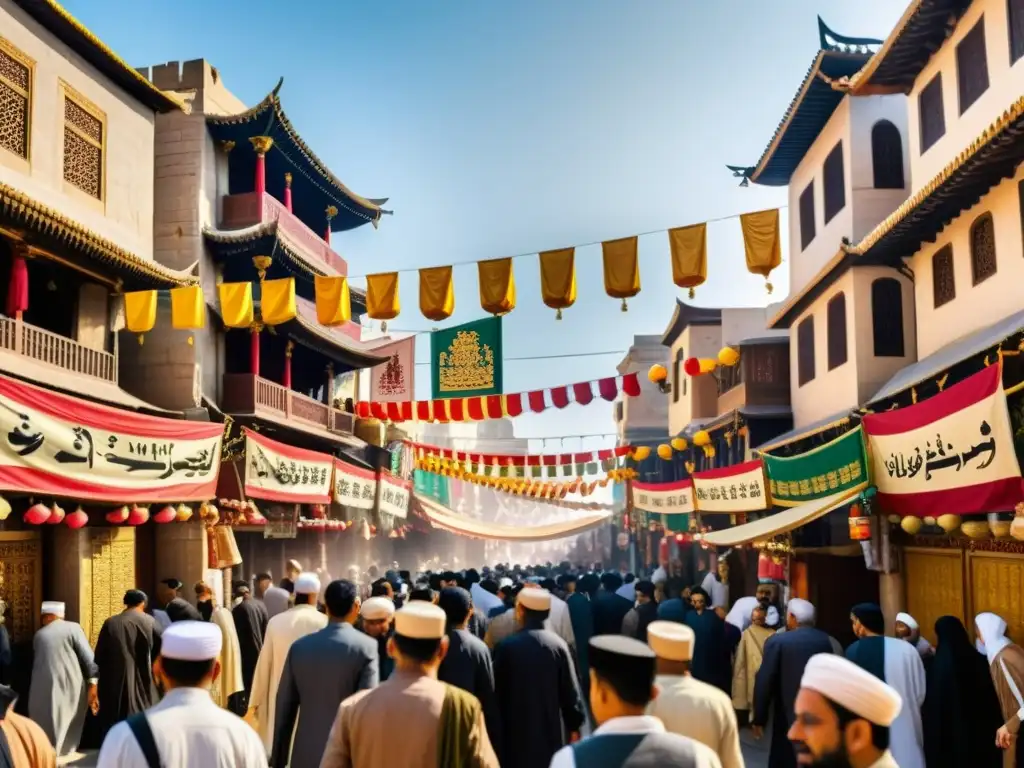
{"x":839,"y":465}
{"x":465,"y":361}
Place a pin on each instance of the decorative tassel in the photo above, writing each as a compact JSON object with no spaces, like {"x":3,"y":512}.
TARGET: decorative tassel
{"x":692,"y":293}
{"x":913,"y":395}
{"x":625,"y":307}
{"x":769,"y":287}
{"x":383,"y":326}
{"x":191,"y":341}
{"x":987,"y":361}
{"x":940,"y":383}
{"x":142,"y":339}
{"x":558,"y":314}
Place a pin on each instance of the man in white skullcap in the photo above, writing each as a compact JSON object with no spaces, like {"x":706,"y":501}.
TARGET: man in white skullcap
{"x":441,"y":725}
{"x":64,"y":675}
{"x":282,"y":630}
{"x":686,"y":705}
{"x":908,"y":629}
{"x":843,"y":716}
{"x":778,"y":680}
{"x":541,"y":702}
{"x":186,"y":727}
{"x":376,"y":617}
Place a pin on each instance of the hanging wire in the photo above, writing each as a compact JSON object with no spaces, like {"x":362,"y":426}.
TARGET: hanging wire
{"x":555,"y":357}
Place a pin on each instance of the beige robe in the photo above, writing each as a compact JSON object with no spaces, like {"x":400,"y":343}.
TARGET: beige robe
{"x":229,"y":682}
{"x":363,"y":734}
{"x":27,"y":742}
{"x":749,"y":654}
{"x":1009,"y":661}
{"x":700,"y":711}
{"x":282,"y":630}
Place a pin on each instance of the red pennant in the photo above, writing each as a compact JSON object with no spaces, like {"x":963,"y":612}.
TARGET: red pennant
{"x":604,"y":455}
{"x":623,"y":450}
{"x":363,"y":409}
{"x":517,"y":461}
{"x":565,"y":458}
{"x":536,"y":398}
{"x":631,"y":384}
{"x":394,"y":411}
{"x":423,"y":410}
{"x":455,"y":409}
{"x":407,"y":410}
{"x":582,"y":458}
{"x":582,"y":393}
{"x":533,"y":461}
{"x":608,"y":388}
{"x":378,"y":411}
{"x":476,"y":409}
{"x":514,"y":404}
{"x":548,"y":460}
{"x":559,"y":397}
{"x":494,"y":407}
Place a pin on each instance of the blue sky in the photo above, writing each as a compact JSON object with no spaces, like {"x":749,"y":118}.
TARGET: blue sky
{"x":505,"y":128}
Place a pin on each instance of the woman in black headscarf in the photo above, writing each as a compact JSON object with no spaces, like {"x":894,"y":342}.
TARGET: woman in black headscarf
{"x":961,"y":710}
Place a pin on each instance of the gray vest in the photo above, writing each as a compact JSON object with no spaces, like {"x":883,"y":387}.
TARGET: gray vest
{"x":635,"y":750}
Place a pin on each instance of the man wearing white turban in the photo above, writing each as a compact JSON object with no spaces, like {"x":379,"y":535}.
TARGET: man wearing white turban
{"x":907,"y":629}
{"x":843,"y":715}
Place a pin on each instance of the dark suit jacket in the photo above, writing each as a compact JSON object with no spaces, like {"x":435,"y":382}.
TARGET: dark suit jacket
{"x":322,"y":670}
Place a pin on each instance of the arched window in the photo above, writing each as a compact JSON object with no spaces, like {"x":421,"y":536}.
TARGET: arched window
{"x":678,"y":375}
{"x":805,"y":351}
{"x":887,"y":317}
{"x":983,"y":248}
{"x":943,"y":279}
{"x":837,"y":331}
{"x":887,"y":155}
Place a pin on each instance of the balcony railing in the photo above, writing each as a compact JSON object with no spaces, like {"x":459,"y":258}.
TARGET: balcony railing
{"x":246,"y":210}
{"x":57,"y":351}
{"x":245,"y":393}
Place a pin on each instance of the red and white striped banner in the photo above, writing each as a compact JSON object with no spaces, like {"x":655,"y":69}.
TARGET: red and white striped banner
{"x":664,"y":498}
{"x":278,"y":472}
{"x":739,"y":488}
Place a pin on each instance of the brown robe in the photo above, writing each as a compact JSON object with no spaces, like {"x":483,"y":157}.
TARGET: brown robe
{"x":1012,"y":658}
{"x":28,"y":744}
{"x":748,"y":660}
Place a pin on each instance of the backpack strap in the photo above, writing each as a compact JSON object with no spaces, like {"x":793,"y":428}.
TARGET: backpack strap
{"x":139,"y":726}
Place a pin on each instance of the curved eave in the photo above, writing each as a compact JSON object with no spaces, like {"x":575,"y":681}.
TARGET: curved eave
{"x":686,"y":315}
{"x":53,"y":17}
{"x":268,"y":238}
{"x":331,"y":343}
{"x":920,"y":32}
{"x":269,"y":119}
{"x":135,"y":271}
{"x":817,"y":98}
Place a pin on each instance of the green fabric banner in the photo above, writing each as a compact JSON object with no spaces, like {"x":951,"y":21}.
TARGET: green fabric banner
{"x":839,"y":465}
{"x":431,"y":485}
{"x":465,"y":361}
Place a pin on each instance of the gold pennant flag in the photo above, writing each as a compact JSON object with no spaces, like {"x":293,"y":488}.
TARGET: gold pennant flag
{"x":689,"y":246}
{"x":558,"y":279}
{"x":437,"y":293}
{"x":382,"y":299}
{"x":140,"y":311}
{"x":277,"y":301}
{"x":188,"y":308}
{"x":236,"y":308}
{"x":497,"y":286}
{"x":761,"y":242}
{"x":333,"y":300}
{"x":621,"y":268}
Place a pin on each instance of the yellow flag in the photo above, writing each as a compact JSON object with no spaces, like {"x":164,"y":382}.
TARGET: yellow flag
{"x":236,"y":309}
{"x":621,"y":268}
{"x":140,"y":311}
{"x":761,"y":242}
{"x":277,"y":302}
{"x":497,"y":286}
{"x":333,"y":300}
{"x":382,"y":300}
{"x":558,"y":278}
{"x":188,"y":308}
{"x":689,"y":246}
{"x":437,"y":293}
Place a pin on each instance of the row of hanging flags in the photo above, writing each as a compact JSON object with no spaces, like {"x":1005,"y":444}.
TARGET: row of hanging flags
{"x":953,"y":452}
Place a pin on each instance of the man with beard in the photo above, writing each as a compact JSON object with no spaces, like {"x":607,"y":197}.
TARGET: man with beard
{"x":843,"y":715}
{"x":712,"y":658}
{"x":376,"y":616}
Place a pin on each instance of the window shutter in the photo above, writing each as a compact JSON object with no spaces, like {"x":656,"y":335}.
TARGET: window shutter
{"x":887,"y":155}
{"x":943,"y":279}
{"x":805,"y":351}
{"x":983,"y":248}
{"x":834,"y":183}
{"x":971,"y":66}
{"x":887,"y":317}
{"x":931,"y":114}
{"x":837,"y":354}
{"x":807,"y":216}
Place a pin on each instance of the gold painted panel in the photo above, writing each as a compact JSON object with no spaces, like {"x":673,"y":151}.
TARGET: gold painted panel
{"x":997,"y":585}
{"x":21,"y":577}
{"x":934,"y":581}
{"x":113,"y":574}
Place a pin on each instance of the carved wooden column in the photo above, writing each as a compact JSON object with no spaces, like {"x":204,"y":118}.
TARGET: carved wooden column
{"x":262,"y":145}
{"x":329,"y":389}
{"x":286,"y":378}
{"x":288,"y":192}
{"x":254,"y":348}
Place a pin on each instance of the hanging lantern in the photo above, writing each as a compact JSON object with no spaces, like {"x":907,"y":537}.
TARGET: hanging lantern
{"x":860,"y":524}
{"x":894,"y":519}
{"x":657,"y":374}
{"x":183,"y":513}
{"x":689,"y":256}
{"x":665,"y":451}
{"x":621,"y":269}
{"x":77,"y":519}
{"x":138,"y":515}
{"x":975,"y":529}
{"x":5,"y":509}
{"x":558,"y":279}
{"x":911,"y":525}
{"x":702,"y":438}
{"x":641,"y":452}
{"x":165,"y":515}
{"x":117,"y":516}
{"x":1000,"y":528}
{"x":37,"y":514}
{"x":948,"y":523}
{"x":761,"y":242}
{"x":707,"y":364}
{"x":728,"y":356}
{"x":679,"y":443}
{"x":56,"y":514}
{"x":691,"y":366}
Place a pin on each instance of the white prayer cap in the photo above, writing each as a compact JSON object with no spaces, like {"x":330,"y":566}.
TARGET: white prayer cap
{"x":851,"y":687}
{"x":377,"y":608}
{"x":192,"y":641}
{"x":307,"y":584}
{"x":772,"y":618}
{"x":535,"y":599}
{"x":801,"y":610}
{"x":505,"y":582}
{"x":671,"y":640}
{"x":53,"y":608}
{"x":420,"y":620}
{"x":906,"y":618}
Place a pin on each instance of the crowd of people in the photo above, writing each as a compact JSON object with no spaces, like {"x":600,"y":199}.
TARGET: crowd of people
{"x":514,"y":667}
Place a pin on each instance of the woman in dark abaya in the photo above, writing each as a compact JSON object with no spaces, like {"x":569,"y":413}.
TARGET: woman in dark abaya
{"x":961,"y":710}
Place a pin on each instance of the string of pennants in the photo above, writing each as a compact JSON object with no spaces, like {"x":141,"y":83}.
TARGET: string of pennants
{"x":507,"y":479}
{"x":423,"y":450}
{"x":484,"y":407}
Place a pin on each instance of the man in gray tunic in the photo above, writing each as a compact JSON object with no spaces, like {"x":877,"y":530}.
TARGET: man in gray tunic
{"x":63,"y":679}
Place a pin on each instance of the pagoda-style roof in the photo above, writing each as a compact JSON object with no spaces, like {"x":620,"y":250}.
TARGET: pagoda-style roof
{"x":333,"y":343}
{"x":52,"y":231}
{"x":991,"y":158}
{"x":686,"y":315}
{"x":314,"y":187}
{"x":66,"y":28}
{"x":924,"y":27}
{"x":819,"y":95}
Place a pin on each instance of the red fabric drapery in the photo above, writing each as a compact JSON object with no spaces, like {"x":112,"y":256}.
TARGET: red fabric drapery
{"x":17,"y":289}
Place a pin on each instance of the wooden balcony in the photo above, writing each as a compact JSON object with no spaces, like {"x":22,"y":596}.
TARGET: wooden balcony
{"x":245,"y":393}
{"x":247,"y":210}
{"x":761,"y":378}
{"x":56,"y":351}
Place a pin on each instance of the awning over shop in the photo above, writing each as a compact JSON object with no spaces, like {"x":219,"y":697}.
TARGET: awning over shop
{"x":838,"y":419}
{"x":782,"y":522}
{"x":444,"y":518}
{"x":951,"y":354}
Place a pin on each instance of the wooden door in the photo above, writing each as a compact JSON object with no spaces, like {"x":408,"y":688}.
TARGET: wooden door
{"x":21,"y":582}
{"x":111,"y":566}
{"x":996,"y":581}
{"x":934,"y":581}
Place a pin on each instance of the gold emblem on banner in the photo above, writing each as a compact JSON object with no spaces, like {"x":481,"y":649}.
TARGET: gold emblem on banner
{"x":466,"y":365}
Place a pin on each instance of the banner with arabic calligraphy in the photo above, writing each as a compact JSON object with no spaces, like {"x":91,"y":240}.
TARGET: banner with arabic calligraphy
{"x":56,"y":445}
{"x":839,"y":465}
{"x":664,"y":498}
{"x":739,"y":488}
{"x":465,"y":360}
{"x":395,"y":380}
{"x":278,"y":472}
{"x":354,"y":487}
{"x":394,"y":495}
{"x":949,"y":453}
